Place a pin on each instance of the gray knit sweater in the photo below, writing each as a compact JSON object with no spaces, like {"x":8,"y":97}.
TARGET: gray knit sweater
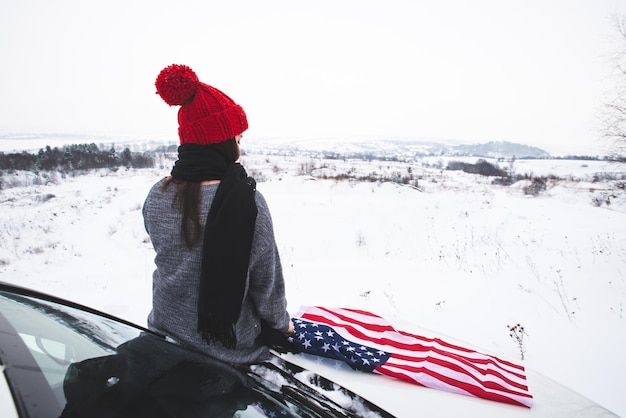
{"x":176,"y":279}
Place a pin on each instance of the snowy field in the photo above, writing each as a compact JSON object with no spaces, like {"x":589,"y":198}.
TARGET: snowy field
{"x":449,"y":252}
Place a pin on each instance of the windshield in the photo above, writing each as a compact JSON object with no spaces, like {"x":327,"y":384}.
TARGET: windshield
{"x":61,"y":361}
{"x":85,"y":365}
{"x":58,"y":336}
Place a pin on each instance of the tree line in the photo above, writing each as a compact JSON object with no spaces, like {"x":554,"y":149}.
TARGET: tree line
{"x":75,"y":157}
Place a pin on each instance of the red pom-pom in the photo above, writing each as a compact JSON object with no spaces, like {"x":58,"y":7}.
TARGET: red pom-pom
{"x":177,"y":84}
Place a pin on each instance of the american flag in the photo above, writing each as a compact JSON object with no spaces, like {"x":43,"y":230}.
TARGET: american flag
{"x":367,"y":342}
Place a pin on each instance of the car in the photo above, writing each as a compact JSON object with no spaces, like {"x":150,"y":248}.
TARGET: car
{"x":62,"y":359}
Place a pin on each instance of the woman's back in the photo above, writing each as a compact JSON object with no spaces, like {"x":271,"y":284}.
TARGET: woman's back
{"x":177,"y":277}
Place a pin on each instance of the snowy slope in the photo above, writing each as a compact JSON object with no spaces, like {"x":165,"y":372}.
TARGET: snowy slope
{"x":461,"y":257}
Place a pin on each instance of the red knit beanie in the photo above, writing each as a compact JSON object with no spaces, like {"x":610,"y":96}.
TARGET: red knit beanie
{"x":206,"y":115}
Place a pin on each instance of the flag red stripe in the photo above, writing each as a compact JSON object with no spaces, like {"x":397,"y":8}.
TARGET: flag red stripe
{"x":454,"y":385}
{"x":367,"y":325}
{"x":442,"y":364}
{"x":484,"y":360}
{"x":471,"y":363}
{"x":456,"y":347}
{"x":428,"y":362}
{"x":388,"y":327}
{"x":452,"y":365}
{"x":366,"y":313}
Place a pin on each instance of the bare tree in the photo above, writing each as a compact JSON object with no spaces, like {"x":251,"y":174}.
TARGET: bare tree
{"x":614,"y":117}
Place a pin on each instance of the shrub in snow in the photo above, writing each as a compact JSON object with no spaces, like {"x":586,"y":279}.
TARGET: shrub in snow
{"x":481,"y":167}
{"x":517,"y":333}
{"x":536,"y":186}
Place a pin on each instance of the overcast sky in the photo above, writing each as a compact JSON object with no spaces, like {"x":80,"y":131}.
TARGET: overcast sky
{"x":532,"y":71}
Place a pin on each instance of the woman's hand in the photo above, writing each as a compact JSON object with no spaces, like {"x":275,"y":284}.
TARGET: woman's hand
{"x":291,"y":329}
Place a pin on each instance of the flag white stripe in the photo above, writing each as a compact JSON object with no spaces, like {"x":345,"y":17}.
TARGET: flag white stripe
{"x":476,"y":369}
{"x":438,"y":351}
{"x":433,"y":382}
{"x":452,"y":374}
{"x":475,"y":358}
{"x":427,"y":380}
{"x":393,"y":334}
{"x":476,"y":374}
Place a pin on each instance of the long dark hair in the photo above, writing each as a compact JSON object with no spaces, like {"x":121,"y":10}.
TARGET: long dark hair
{"x":187,"y":197}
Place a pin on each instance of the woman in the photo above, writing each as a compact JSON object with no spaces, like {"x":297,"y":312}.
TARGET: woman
{"x":218,"y":275}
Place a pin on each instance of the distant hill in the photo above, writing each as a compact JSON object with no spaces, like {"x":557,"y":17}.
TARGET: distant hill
{"x":394,"y":148}
{"x":501,"y":149}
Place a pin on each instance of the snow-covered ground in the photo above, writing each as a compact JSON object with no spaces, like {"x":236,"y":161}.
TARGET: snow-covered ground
{"x":452,"y":253}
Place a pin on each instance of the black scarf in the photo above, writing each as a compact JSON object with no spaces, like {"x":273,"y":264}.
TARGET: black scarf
{"x":227,"y":239}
